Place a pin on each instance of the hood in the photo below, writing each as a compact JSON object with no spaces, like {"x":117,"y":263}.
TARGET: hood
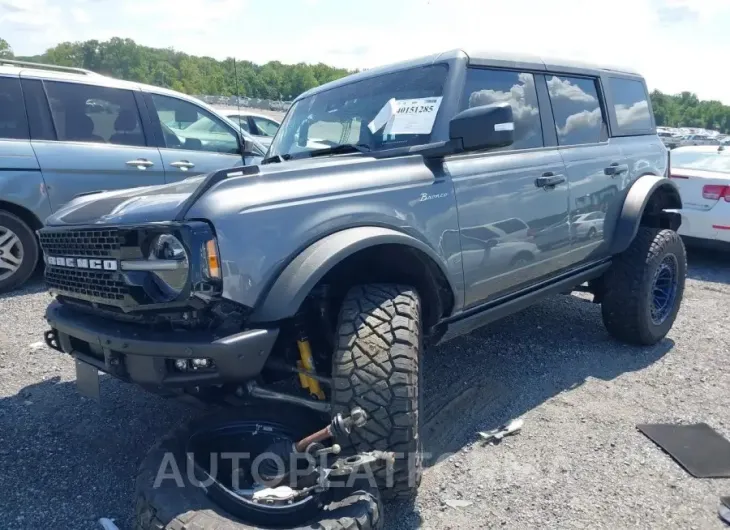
{"x":156,"y":204}
{"x":147,"y":204}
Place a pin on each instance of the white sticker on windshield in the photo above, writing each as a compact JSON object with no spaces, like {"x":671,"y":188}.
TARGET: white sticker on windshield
{"x":383,"y":116}
{"x":414,"y":116}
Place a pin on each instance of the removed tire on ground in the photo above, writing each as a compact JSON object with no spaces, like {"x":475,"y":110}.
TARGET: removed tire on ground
{"x":169,"y":496}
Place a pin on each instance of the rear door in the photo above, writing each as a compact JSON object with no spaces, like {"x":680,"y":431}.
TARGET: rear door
{"x":89,"y":138}
{"x":595,"y":165}
{"x":503,"y":202}
{"x":192,"y":140}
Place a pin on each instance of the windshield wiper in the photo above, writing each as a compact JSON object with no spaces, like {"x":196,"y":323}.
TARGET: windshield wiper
{"x":340,"y":149}
{"x":276,"y":158}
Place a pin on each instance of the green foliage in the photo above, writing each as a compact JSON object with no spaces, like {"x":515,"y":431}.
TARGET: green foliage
{"x":686,"y":110}
{"x":6,"y":52}
{"x":124,"y":59}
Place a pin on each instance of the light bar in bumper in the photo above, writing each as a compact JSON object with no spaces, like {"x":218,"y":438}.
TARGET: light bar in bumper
{"x":144,"y":357}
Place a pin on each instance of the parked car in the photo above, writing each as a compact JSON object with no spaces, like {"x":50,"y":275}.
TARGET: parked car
{"x":698,"y":139}
{"x":588,"y":225}
{"x":65,"y":132}
{"x":359,"y":255}
{"x":261,"y":127}
{"x":669,"y":139}
{"x":702,"y":175}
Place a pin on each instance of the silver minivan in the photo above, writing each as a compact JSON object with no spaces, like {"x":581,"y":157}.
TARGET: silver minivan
{"x":66,"y":132}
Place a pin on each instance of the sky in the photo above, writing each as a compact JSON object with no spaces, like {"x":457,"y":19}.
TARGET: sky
{"x":676,"y":44}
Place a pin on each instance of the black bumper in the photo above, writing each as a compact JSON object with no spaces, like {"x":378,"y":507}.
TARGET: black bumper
{"x":147,"y":358}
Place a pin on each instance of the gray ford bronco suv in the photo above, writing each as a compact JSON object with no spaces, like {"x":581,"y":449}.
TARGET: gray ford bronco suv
{"x":396,"y":208}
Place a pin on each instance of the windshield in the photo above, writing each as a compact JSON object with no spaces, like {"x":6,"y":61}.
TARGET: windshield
{"x":383,"y":112}
{"x":705,"y":160}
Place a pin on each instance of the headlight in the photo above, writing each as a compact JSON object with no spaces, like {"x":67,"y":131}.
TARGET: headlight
{"x":172,"y":274}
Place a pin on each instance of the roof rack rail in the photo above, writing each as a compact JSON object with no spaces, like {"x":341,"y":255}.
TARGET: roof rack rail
{"x":41,"y":66}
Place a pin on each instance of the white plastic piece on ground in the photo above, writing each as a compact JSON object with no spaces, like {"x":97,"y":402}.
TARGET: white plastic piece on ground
{"x":107,"y":524}
{"x":512,"y":427}
{"x":36,"y":345}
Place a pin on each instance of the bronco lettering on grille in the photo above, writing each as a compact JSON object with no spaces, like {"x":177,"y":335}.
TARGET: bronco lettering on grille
{"x":83,"y":263}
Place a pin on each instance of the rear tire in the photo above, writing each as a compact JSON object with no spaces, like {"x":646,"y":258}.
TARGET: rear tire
{"x":376,"y":366}
{"x":18,"y":251}
{"x":632,"y":306}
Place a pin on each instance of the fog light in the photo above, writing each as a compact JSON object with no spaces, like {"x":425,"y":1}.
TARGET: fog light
{"x":181,"y":364}
{"x":201,"y":363}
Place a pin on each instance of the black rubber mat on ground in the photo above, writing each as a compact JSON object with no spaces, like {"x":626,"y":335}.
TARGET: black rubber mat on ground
{"x":698,"y":448}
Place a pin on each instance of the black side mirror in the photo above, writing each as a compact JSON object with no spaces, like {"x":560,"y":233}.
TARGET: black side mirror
{"x":483,"y":127}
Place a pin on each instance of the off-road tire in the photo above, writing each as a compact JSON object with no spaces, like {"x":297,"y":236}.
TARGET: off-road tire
{"x":30,"y":251}
{"x":376,"y":366}
{"x":626,"y":305}
{"x":169,"y":507}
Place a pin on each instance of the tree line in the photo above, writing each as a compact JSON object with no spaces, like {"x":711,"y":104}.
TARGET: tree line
{"x":125,"y":59}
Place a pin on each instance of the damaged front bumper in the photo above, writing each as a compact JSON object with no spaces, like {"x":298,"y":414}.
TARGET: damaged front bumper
{"x":148,"y":358}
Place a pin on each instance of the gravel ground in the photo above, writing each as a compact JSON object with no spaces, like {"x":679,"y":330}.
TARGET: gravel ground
{"x":579,"y":461}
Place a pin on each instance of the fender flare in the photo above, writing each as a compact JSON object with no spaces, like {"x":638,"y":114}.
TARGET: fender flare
{"x":298,"y":278}
{"x":638,"y":196}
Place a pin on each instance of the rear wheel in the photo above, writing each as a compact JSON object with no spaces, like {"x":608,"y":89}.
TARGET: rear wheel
{"x":644,"y":287}
{"x":18,"y":251}
{"x":376,"y":366}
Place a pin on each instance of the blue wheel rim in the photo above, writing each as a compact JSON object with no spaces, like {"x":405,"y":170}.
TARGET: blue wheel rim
{"x":664,"y":289}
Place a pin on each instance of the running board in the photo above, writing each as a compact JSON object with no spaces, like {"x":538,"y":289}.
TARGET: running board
{"x":477,"y":317}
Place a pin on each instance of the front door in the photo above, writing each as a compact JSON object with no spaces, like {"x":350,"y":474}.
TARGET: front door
{"x":98,"y":143}
{"x":512,"y":203}
{"x":194,"y":141}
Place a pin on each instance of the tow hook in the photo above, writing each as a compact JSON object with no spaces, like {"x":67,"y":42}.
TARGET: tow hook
{"x":51,"y":338}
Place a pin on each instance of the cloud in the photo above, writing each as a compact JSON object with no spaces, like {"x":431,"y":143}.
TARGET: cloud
{"x":562,"y":88}
{"x":522,"y":96}
{"x":638,"y":113}
{"x":585,"y":119}
{"x":80,"y":15}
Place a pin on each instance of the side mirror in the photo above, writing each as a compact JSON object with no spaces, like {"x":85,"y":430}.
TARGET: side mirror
{"x":483,"y":127}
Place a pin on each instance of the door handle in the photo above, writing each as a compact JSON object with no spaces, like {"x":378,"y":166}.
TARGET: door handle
{"x":549,"y":180}
{"x":140,"y":163}
{"x":616,"y":169}
{"x":182,"y":165}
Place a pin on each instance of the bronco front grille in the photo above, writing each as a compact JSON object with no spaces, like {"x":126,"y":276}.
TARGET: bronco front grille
{"x":102,"y":285}
{"x":95,"y":242}
{"x":102,"y":245}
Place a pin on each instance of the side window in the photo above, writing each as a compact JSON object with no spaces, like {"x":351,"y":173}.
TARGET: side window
{"x":242,"y":121}
{"x":630,"y":103}
{"x":39,"y":114}
{"x":13,"y":122}
{"x":187,"y":126}
{"x":484,"y":87}
{"x":265,"y":127}
{"x":88,"y":113}
{"x":577,"y":110}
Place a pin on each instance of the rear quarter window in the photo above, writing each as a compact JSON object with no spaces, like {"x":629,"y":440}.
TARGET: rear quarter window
{"x":631,"y":105}
{"x":13,"y":122}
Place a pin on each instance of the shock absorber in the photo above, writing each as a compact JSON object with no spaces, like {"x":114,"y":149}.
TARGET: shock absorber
{"x":306,"y":361}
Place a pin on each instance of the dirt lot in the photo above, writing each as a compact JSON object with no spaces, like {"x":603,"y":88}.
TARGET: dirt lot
{"x":579,"y":462}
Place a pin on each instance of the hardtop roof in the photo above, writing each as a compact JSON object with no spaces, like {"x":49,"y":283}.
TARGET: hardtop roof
{"x":483,"y":58}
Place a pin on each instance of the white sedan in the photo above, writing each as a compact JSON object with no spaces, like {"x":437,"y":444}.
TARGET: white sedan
{"x":263,"y":128}
{"x":702,"y":174}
